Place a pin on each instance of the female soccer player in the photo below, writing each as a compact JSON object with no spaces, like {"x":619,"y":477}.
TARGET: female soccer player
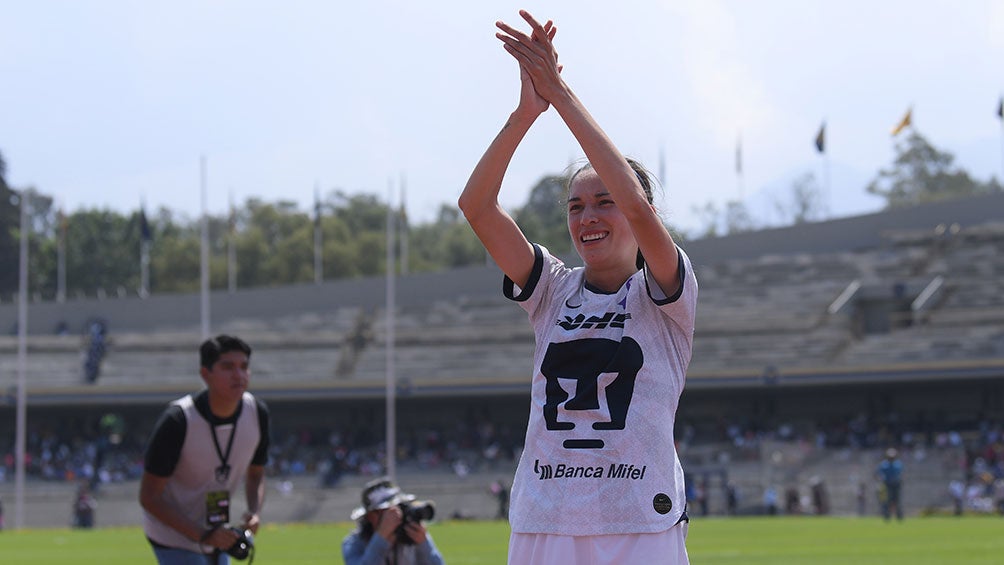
{"x":599,"y":480}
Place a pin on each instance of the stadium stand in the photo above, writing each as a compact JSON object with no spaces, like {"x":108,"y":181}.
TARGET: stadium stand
{"x":894,"y":319}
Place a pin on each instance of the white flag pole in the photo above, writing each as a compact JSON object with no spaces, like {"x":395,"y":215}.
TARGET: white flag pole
{"x":391,"y":377}
{"x":204,"y":260}
{"x":144,"y":253}
{"x":22,"y":365}
{"x":232,"y":247}
{"x":405,"y":232}
{"x":61,"y":257}
{"x":318,"y":235}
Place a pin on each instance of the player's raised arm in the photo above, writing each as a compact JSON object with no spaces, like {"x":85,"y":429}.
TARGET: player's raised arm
{"x":537,"y":56}
{"x":495,"y":228}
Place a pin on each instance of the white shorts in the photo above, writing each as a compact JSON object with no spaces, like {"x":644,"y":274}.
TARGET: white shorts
{"x":667,"y":548}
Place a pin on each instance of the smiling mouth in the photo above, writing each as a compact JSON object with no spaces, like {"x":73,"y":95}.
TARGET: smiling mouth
{"x":593,"y":237}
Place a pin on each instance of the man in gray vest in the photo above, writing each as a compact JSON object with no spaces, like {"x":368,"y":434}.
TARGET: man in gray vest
{"x":201,"y":449}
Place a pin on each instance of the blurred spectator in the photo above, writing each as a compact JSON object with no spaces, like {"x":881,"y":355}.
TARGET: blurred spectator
{"x":820,"y":498}
{"x":792,"y":502}
{"x":890,"y":473}
{"x":731,"y":498}
{"x":957,"y":490}
{"x":500,"y":491}
{"x":83,"y":508}
{"x":770,"y":500}
{"x":96,"y":333}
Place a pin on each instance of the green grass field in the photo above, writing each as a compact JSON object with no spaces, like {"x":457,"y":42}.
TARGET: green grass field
{"x":749,"y":541}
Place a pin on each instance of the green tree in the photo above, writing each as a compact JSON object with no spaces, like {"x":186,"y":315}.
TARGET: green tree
{"x":101,"y":252}
{"x":41,"y":245}
{"x":922,"y":173}
{"x":174,"y":253}
{"x":446,"y":243}
{"x":10,"y":220}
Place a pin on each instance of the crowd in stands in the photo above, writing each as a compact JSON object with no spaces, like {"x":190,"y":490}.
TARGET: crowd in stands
{"x":112,"y":451}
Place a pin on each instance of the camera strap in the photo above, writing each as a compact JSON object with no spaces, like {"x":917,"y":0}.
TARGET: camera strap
{"x":223,"y":471}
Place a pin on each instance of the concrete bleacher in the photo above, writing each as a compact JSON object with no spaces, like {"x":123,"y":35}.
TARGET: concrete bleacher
{"x":782,"y":464}
{"x":764,"y":313}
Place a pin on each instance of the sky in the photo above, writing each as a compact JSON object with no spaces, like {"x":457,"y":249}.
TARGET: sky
{"x":110,"y":104}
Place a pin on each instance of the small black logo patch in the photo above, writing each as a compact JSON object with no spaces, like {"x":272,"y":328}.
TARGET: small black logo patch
{"x":662,"y":503}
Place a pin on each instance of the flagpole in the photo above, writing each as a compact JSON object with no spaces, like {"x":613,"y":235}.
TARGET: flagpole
{"x":1000,"y":116}
{"x":662,"y":164}
{"x":402,"y":217}
{"x":61,"y":259}
{"x":739,"y":165}
{"x":826,"y":185}
{"x":391,"y":377}
{"x":204,"y":254}
{"x":318,"y":242}
{"x":22,"y":365}
{"x":824,"y":160}
{"x":144,"y":253}
{"x":232,"y":248}
{"x":144,"y":262}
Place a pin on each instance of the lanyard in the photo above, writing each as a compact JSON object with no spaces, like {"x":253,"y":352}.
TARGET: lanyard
{"x":223,"y":471}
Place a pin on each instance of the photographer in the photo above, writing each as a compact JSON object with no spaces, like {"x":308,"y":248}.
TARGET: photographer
{"x":203,"y":447}
{"x":396,"y":519}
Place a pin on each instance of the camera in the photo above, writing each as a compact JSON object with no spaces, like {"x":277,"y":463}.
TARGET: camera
{"x":413,"y":511}
{"x":244,"y":545}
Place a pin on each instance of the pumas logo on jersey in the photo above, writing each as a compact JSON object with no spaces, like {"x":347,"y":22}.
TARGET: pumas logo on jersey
{"x":614,"y":471}
{"x":611,"y":319}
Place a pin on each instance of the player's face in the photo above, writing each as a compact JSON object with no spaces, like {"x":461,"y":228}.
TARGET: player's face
{"x":229,"y":376}
{"x":600,"y":232}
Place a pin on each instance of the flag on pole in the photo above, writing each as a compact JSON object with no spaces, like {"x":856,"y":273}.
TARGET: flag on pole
{"x":906,"y":121}
{"x":821,"y":139}
{"x":144,"y":226}
{"x":1000,"y":108}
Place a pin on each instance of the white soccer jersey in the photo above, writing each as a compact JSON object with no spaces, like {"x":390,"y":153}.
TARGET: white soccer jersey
{"x":599,"y":455}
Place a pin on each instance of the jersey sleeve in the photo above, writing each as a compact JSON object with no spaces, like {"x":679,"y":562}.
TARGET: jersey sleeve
{"x":681,"y":307}
{"x":548,"y":273}
{"x":164,"y":447}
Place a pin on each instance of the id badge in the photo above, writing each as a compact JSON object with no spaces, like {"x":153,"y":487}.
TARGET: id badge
{"x":217,"y":508}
